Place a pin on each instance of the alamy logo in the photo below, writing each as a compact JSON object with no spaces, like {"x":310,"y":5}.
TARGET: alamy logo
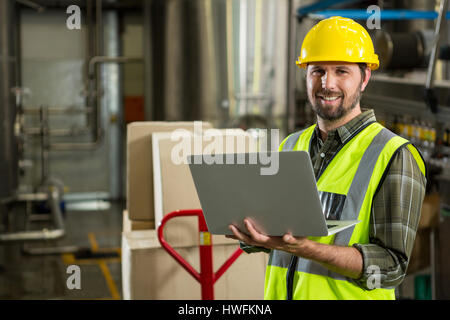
{"x":74,"y":280}
{"x":374,"y":21}
{"x":220,"y":146}
{"x":73,"y":22}
{"x":374,"y":280}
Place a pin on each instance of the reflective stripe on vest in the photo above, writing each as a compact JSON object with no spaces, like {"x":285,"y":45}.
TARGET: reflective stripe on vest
{"x":354,"y":175}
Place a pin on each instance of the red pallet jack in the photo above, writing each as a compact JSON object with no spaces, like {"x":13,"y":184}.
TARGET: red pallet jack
{"x":206,"y":277}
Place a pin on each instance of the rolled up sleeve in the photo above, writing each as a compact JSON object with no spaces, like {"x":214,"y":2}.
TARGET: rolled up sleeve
{"x":252,"y":249}
{"x":394,"y":220}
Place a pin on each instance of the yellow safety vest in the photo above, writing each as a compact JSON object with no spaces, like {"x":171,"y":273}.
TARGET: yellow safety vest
{"x":347,"y":185}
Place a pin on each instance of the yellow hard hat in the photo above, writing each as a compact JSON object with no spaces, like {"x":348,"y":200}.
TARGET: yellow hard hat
{"x":338,"y":39}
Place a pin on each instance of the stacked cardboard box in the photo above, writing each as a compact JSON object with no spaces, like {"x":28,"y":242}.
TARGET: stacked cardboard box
{"x":148,"y":272}
{"x":133,"y":225}
{"x":158,"y":183}
{"x":139,"y":164}
{"x":429,"y":219}
{"x":173,"y":186}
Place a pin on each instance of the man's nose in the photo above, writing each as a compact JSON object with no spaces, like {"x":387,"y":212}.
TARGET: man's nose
{"x":328,"y":81}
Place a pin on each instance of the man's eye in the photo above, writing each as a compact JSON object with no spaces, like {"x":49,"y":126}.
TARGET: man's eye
{"x":317,"y":72}
{"x":342,"y":71}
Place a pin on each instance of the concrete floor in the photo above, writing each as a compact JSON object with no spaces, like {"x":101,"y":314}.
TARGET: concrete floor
{"x":26,"y":276}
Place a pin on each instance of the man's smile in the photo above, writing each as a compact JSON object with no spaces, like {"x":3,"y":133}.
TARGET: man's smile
{"x":329,"y":100}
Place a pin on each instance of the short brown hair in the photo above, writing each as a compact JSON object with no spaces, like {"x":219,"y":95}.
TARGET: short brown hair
{"x":362,"y":67}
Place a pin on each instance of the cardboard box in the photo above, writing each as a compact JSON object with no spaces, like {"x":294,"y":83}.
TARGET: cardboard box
{"x":149,"y":272}
{"x":429,"y":217}
{"x":174,"y":188}
{"x":133,"y":225}
{"x":420,"y":255}
{"x":139,"y":164}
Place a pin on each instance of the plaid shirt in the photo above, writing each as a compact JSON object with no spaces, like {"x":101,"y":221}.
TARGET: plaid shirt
{"x":395,"y":208}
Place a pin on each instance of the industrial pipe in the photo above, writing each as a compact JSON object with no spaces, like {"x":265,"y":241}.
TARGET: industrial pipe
{"x":75,"y":130}
{"x":105,"y":59}
{"x":59,"y":111}
{"x":92,"y":77}
{"x":429,"y":93}
{"x":31,"y":4}
{"x":94,"y":82}
{"x":98,"y":51}
{"x":57,"y":132}
{"x":44,"y":234}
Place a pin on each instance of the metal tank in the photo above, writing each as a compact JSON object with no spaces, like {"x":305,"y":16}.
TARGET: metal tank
{"x":9,"y":77}
{"x":213,"y":60}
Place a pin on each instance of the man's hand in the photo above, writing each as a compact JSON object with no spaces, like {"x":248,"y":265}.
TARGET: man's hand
{"x":287,"y":242}
{"x":343,"y":260}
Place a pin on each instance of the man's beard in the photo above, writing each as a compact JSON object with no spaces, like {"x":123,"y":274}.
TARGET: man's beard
{"x":335,"y":113}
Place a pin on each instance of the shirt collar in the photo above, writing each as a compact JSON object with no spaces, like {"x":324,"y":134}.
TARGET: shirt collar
{"x":347,"y":130}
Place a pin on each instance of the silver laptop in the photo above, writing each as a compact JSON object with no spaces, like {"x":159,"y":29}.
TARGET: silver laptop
{"x":287,"y":201}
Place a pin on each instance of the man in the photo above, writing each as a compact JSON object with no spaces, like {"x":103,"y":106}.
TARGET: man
{"x":363,"y":171}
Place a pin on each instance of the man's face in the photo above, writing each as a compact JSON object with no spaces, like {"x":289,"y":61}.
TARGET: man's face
{"x":334,"y":88}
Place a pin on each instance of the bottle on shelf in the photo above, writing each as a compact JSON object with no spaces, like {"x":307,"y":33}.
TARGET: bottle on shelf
{"x":446,"y":137}
{"x":415,"y":138}
{"x":395,"y":125}
{"x":401,"y":127}
{"x":408,"y":129}
{"x":432,"y":135}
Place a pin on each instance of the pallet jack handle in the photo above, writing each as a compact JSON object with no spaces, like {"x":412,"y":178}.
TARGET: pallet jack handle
{"x":206,"y":277}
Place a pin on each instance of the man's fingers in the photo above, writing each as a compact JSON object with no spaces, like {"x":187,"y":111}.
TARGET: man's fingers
{"x":240,"y":236}
{"x":288,"y":238}
{"x":254,"y":233}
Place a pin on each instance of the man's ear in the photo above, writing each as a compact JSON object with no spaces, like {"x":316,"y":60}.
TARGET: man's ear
{"x":366,"y":79}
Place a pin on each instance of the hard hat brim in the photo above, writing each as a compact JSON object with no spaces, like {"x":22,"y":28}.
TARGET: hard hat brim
{"x":373,"y":65}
